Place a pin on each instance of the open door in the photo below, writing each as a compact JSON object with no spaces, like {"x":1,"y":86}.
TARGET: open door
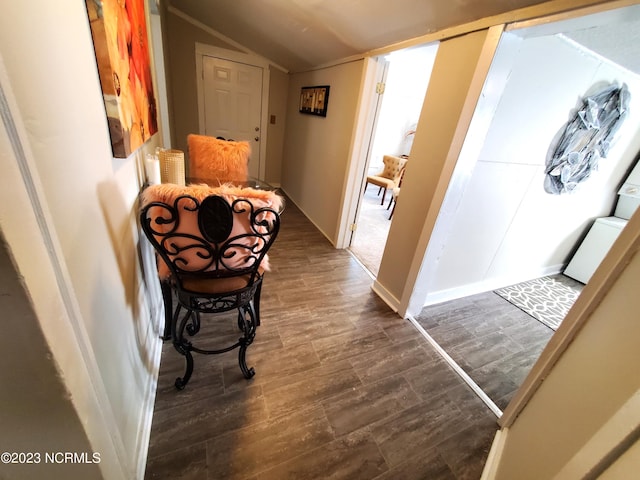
{"x":383,"y":68}
{"x":400,"y":91}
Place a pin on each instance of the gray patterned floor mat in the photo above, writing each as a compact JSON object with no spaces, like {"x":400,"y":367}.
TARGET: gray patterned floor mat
{"x":546,"y":299}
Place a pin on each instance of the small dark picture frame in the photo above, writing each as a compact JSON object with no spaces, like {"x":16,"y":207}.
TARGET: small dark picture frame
{"x":314,"y":100}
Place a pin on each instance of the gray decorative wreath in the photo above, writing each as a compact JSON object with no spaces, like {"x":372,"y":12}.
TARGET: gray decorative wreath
{"x":586,"y":138}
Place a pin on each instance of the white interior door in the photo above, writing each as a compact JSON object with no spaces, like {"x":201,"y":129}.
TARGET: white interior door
{"x":233,"y":104}
{"x":379,"y":76}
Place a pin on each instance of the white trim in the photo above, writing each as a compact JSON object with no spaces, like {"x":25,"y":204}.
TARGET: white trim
{"x":160,"y":77}
{"x":495,"y":455}
{"x":144,"y":429}
{"x":231,"y":55}
{"x":488,"y":285}
{"x":361,"y":139}
{"x":151,"y":387}
{"x":203,"y":50}
{"x":335,"y":63}
{"x":149,"y":297}
{"x":222,"y":37}
{"x":452,"y":363}
{"x":535,"y":12}
{"x":63,"y":329}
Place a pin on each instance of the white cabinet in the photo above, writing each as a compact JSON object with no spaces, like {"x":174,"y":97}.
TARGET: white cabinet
{"x":594,"y":247}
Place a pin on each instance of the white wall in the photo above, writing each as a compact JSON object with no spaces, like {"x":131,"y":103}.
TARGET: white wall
{"x":104,"y":333}
{"x":406,"y":83}
{"x":505,"y":228}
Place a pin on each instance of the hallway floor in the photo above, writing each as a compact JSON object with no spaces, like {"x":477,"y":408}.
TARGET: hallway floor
{"x":344,"y":388}
{"x":493,"y":341}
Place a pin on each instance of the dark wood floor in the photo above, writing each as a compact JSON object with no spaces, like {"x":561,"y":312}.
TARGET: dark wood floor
{"x":494,"y":342}
{"x":344,"y":388}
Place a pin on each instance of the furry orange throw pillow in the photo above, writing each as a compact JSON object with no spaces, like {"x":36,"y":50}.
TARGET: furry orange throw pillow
{"x":220,"y":160}
{"x":168,"y":192}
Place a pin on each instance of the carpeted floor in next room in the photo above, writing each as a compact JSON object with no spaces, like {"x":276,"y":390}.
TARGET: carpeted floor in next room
{"x":344,"y":388}
{"x":373,"y":228}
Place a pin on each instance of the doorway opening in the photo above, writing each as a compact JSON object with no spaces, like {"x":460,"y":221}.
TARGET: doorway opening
{"x":498,"y":226}
{"x":405,"y":78}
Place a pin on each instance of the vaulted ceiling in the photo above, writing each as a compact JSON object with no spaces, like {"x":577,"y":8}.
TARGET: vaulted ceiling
{"x":300,"y":34}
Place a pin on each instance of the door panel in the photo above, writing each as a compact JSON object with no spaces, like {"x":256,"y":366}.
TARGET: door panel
{"x":233,"y":104}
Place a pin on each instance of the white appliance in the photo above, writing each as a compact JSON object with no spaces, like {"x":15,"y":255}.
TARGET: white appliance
{"x":604,"y":231}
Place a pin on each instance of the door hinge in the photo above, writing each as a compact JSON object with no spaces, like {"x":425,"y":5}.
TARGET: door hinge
{"x":353,"y":227}
{"x":380,"y":88}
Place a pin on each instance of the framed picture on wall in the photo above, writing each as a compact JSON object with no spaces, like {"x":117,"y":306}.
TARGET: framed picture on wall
{"x":314,"y":100}
{"x":120,"y":41}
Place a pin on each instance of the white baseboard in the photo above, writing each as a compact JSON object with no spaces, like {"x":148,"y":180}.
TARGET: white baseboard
{"x":488,"y":285}
{"x":386,"y":296}
{"x":153,"y":341}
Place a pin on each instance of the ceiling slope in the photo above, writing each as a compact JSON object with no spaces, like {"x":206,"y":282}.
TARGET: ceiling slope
{"x":301,"y":34}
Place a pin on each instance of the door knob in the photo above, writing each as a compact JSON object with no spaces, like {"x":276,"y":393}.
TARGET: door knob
{"x":257,"y":129}
{"x":257,"y":139}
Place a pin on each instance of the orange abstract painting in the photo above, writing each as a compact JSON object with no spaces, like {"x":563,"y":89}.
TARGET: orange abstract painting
{"x":120,"y":41}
